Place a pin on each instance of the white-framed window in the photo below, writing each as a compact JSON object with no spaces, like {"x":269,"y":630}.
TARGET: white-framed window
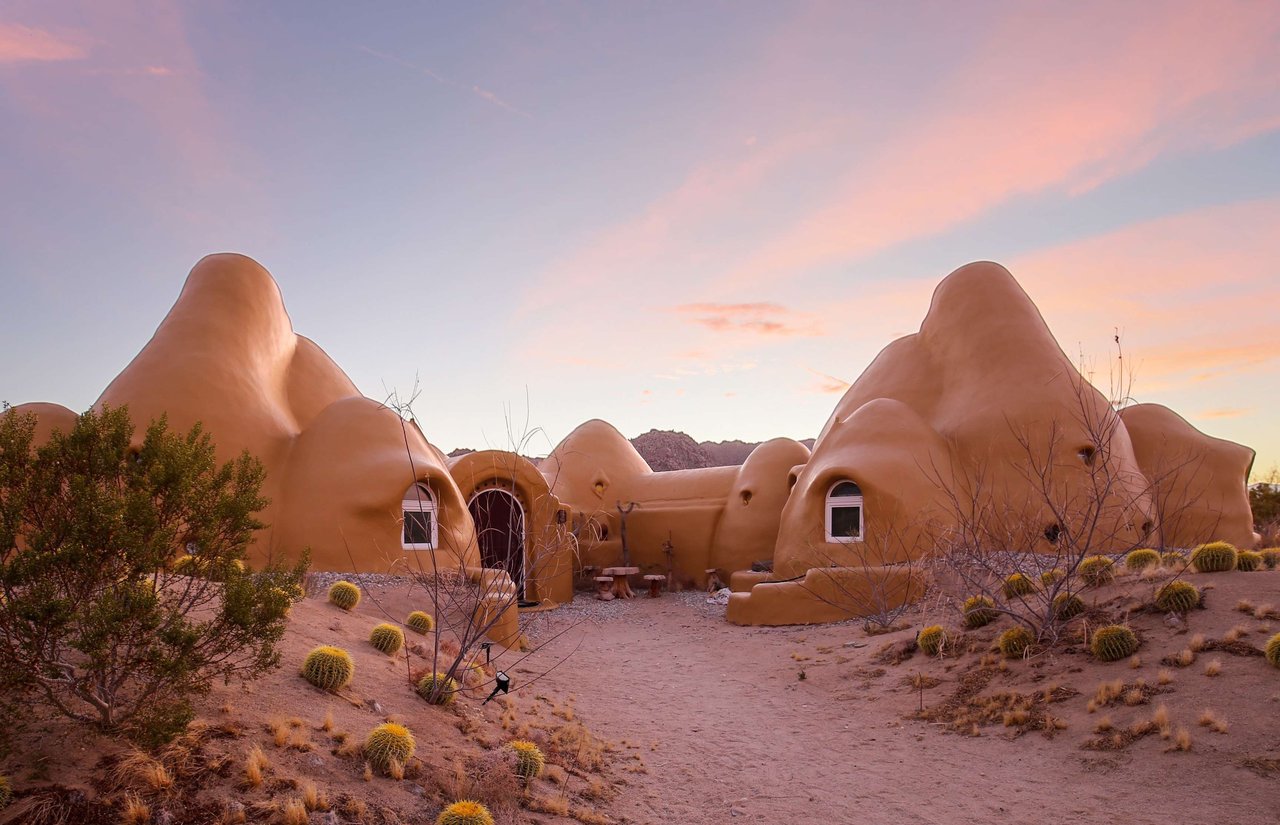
{"x":419,"y":529}
{"x":844,"y":513}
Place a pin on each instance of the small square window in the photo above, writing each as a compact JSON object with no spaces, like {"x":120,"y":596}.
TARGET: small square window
{"x":846,"y":522}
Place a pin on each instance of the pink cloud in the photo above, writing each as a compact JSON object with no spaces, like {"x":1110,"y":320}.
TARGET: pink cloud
{"x":828,"y":384}
{"x":758,"y":318}
{"x":1226,"y":412}
{"x":23,"y":44}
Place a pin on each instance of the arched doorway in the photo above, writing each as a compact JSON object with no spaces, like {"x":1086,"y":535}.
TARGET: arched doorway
{"x":499,"y":521}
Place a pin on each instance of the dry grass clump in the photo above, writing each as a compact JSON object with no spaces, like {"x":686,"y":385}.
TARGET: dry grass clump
{"x":279,"y":731}
{"x":1209,"y":719}
{"x":135,"y":811}
{"x":489,"y":778}
{"x":1197,"y":643}
{"x":1103,"y":725}
{"x":1164,"y":677}
{"x":1235,"y":633}
{"x":313,"y":799}
{"x":295,"y":812}
{"x":1244,"y":606}
{"x":573,"y":745}
{"x":1181,"y":742}
{"x":554,"y":805}
{"x":139,"y":771}
{"x":1213,"y":668}
{"x":1266,"y":611}
{"x":587,"y":817}
{"x":255,"y":763}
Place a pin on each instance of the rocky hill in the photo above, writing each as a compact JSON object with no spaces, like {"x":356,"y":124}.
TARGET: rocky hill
{"x":674,"y":450}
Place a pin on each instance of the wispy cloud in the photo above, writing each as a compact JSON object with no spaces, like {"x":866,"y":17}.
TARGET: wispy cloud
{"x":764,"y":319}
{"x":478,"y":91}
{"x":1226,"y":412}
{"x":827,"y":384}
{"x":23,"y":44}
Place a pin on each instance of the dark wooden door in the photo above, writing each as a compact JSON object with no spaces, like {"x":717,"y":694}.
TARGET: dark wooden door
{"x":499,"y":524}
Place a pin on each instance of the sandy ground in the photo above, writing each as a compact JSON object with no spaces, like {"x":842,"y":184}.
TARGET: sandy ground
{"x":723,"y":729}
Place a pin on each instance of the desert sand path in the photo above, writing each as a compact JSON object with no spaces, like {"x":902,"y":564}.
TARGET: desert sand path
{"x":739,"y":738}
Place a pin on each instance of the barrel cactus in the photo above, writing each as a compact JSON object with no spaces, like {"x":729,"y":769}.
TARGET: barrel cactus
{"x":1272,"y":651}
{"x":932,"y":640}
{"x":1173,"y":558}
{"x":438,"y":689}
{"x":345,"y":595}
{"x":388,"y":743}
{"x":6,"y":792}
{"x":1067,"y":606}
{"x":420,"y":622}
{"x":979,"y":611}
{"x":1248,"y":561}
{"x":1177,"y":597}
{"x":1271,"y":557}
{"x":328,"y":667}
{"x":1095,"y":571}
{"x":387,"y":637}
{"x":466,"y":812}
{"x":529,"y":759}
{"x":1214,"y":557}
{"x":1113,"y":642}
{"x":1017,"y":585}
{"x":1015,"y":641}
{"x":1142,"y":559}
{"x":1051,"y":577}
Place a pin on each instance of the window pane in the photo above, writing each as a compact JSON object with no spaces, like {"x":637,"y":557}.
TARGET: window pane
{"x":846,"y":488}
{"x":417,"y":527}
{"x":846,"y":522}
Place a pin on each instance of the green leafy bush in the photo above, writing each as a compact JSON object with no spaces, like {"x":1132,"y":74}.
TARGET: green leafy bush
{"x":94,"y":623}
{"x":1113,"y":642}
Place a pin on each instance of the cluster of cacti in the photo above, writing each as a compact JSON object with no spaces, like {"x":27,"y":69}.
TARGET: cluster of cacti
{"x":1173,"y":558}
{"x":1017,"y":585}
{"x":1214,"y":557}
{"x":6,"y":792}
{"x":465,"y":812}
{"x":1095,"y":571}
{"x":529,"y":759}
{"x":438,"y":689}
{"x":328,"y":667}
{"x":387,"y":637}
{"x":1248,"y":561}
{"x":1013,"y":643}
{"x":388,"y":743}
{"x":1067,"y":606}
{"x":186,"y":565}
{"x":1142,"y":559}
{"x":979,"y":611}
{"x":1051,"y":577}
{"x":345,"y":595}
{"x":1272,"y":651}
{"x":1271,"y":557}
{"x":1177,"y":597}
{"x":932,"y":640}
{"x":420,"y":622}
{"x":1113,"y":642}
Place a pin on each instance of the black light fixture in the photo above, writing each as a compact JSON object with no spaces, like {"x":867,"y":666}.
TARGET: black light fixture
{"x":503,"y":686}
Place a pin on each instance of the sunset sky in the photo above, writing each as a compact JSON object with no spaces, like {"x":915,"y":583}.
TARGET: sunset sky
{"x":704,"y":216}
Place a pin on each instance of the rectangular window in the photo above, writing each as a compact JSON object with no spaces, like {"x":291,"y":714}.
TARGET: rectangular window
{"x":846,"y":522}
{"x":417,"y":527}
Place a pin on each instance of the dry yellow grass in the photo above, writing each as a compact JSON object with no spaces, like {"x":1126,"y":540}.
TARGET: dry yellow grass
{"x":135,"y":811}
{"x":295,"y":813}
{"x":368,"y":772}
{"x":326,"y":724}
{"x":1161,"y":715}
{"x":1104,"y":724}
{"x":588,"y":817}
{"x":279,"y":732}
{"x":140,"y":771}
{"x":1213,"y":668}
{"x":555,"y":805}
{"x":1209,"y":719}
{"x":1164,"y":677}
{"x":1197,"y":642}
{"x":1266,"y":611}
{"x":1244,"y":606}
{"x":1181,"y":742}
{"x":1186,"y":658}
{"x":255,"y":763}
{"x":312,"y":797}
{"x":1235,"y":633}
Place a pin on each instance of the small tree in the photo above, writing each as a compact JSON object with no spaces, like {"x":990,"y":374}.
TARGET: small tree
{"x":98,"y":620}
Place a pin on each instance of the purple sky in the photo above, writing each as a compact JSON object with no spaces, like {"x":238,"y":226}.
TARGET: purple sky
{"x":699,"y":216}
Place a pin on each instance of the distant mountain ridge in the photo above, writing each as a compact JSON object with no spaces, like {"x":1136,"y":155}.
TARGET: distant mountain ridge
{"x":673,"y":450}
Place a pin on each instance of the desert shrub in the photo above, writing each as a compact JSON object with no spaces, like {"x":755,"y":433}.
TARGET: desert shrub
{"x":1067,"y":606}
{"x":1214,"y":557}
{"x":1177,"y":597}
{"x":1113,"y":642}
{"x":388,"y":743}
{"x":387,"y":637}
{"x":1142,"y":559}
{"x":328,"y":667}
{"x":465,"y":812}
{"x":1017,"y":585}
{"x":420,"y":622}
{"x":438,"y":689}
{"x":979,"y":611}
{"x":1096,"y":571}
{"x":932,"y":640}
{"x":1272,"y":651}
{"x":94,"y":622}
{"x":1014,"y":642}
{"x":529,"y":759}
{"x":344,"y":594}
{"x":1270,"y":557}
{"x":1248,"y":561}
{"x":1173,"y":558}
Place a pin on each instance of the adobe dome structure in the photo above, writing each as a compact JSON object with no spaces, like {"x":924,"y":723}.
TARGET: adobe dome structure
{"x":980,"y":405}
